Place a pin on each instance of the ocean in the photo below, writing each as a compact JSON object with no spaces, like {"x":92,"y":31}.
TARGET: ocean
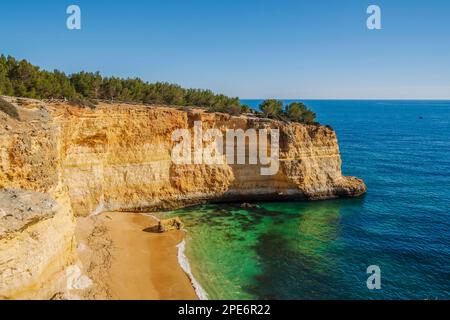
{"x":321,"y":250}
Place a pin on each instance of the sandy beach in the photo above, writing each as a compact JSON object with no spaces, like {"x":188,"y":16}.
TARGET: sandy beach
{"x":126,"y":260}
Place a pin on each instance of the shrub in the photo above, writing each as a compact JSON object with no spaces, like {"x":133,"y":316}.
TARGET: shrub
{"x":234,"y":110}
{"x":299,"y":112}
{"x":272,"y":108}
{"x":246,"y":109}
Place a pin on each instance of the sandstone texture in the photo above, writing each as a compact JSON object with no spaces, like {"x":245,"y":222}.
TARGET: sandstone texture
{"x":58,"y":162}
{"x":171,"y":224}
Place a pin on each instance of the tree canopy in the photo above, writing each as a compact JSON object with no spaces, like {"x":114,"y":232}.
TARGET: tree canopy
{"x":272,"y":108}
{"x":22,"y":79}
{"x":295,"y":111}
{"x":299,"y":112}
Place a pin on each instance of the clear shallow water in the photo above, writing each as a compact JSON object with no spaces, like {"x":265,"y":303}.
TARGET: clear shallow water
{"x":321,"y":250}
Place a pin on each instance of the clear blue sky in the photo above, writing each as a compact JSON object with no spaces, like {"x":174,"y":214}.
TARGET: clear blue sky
{"x":246,"y":48}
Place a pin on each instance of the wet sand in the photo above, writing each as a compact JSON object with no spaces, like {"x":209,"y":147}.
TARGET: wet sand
{"x":127,"y":261}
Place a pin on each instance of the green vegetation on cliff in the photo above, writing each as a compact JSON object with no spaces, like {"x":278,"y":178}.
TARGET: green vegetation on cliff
{"x":295,"y":111}
{"x":22,"y":79}
{"x":299,"y":112}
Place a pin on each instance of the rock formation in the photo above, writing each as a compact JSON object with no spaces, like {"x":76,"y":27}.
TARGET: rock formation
{"x":58,"y":161}
{"x":167,"y":225}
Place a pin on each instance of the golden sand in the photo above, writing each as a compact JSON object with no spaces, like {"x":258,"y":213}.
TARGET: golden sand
{"x":127,"y":261}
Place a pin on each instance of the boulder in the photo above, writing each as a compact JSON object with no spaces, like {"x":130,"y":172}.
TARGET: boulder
{"x":169,"y":225}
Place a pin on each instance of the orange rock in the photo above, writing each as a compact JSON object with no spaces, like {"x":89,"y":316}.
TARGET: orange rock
{"x":169,"y":225}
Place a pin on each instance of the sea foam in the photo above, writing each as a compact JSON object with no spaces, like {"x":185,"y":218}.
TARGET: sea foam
{"x":184,"y":263}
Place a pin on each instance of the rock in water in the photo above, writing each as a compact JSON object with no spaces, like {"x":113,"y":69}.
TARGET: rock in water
{"x":249,"y":206}
{"x":169,"y":225}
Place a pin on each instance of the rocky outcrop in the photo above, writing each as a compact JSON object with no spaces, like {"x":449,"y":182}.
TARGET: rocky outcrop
{"x":62,"y":161}
{"x":171,"y":224}
{"x":36,"y":244}
{"x":36,"y":219}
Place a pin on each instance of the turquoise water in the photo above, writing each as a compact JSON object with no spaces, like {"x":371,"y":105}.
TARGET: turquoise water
{"x":321,"y":250}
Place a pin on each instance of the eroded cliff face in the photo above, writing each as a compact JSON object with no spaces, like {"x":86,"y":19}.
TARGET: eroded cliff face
{"x":36,"y":219}
{"x":118,"y":158}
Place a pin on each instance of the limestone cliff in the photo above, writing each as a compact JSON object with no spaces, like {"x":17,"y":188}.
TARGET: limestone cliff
{"x":119,"y":158}
{"x":36,"y":218}
{"x":62,"y":161}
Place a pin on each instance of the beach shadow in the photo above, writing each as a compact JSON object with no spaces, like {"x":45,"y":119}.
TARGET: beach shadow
{"x":152,"y":229}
